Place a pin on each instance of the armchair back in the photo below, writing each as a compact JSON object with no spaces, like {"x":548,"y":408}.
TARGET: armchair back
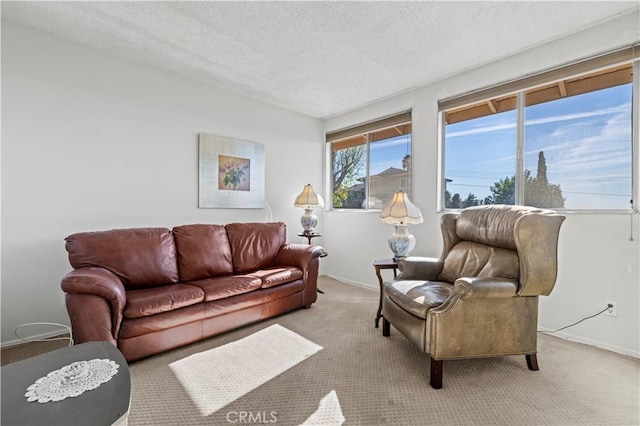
{"x":513,"y":242}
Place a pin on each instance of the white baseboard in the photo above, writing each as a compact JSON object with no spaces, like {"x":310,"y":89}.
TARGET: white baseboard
{"x":36,"y":337}
{"x":590,"y":342}
{"x":354,"y":283}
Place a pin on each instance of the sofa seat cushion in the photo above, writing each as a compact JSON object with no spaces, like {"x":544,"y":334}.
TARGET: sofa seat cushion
{"x":417,"y":297}
{"x":163,"y":321}
{"x":151,"y":301}
{"x":227,"y":286}
{"x":275,"y":276}
{"x":254,"y":298}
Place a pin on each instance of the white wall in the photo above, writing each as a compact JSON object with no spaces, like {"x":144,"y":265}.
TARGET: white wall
{"x":91,"y":141}
{"x":598,"y":262}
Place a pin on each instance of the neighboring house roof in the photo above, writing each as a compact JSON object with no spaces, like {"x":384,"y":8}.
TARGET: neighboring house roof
{"x":390,"y":171}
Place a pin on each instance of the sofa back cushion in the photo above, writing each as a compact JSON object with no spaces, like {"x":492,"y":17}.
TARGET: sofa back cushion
{"x":255,"y":245}
{"x":203,"y":251}
{"x":141,"y":257}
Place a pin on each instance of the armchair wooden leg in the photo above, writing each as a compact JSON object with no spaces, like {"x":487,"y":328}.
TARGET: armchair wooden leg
{"x":386,"y":327}
{"x":532,"y":362}
{"x":436,"y":373}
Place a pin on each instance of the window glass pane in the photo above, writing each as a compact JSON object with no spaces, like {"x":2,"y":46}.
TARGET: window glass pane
{"x":348,"y":161}
{"x":389,"y":169}
{"x":480,"y":161}
{"x":578,"y":151}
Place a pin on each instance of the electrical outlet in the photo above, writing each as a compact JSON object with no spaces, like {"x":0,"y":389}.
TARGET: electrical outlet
{"x":612,"y":309}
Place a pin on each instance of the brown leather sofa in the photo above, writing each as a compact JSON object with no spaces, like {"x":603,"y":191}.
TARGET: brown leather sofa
{"x":480,"y":298}
{"x":148,"y":290}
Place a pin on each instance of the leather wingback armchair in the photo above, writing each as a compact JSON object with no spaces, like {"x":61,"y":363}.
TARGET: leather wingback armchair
{"x":480,"y":298}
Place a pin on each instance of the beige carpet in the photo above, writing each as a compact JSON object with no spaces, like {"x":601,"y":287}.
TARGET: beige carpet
{"x":372,"y":380}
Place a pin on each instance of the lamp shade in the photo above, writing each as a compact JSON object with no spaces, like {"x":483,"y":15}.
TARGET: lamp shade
{"x":308,"y":199}
{"x":400,"y":210}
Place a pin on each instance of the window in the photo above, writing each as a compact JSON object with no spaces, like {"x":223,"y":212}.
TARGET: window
{"x":370,"y":162}
{"x":561,"y":144}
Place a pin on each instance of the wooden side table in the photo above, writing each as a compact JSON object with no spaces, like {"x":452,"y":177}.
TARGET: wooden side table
{"x":381,"y":264}
{"x":309,"y":236}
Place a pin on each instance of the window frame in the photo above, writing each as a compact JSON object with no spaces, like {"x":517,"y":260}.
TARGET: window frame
{"x":379,"y":124}
{"x":629,"y":55}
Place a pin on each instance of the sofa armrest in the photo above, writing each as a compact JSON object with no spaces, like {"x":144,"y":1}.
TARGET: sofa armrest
{"x":307,"y":259}
{"x":96,"y":299}
{"x":298,"y":255}
{"x":419,"y":268}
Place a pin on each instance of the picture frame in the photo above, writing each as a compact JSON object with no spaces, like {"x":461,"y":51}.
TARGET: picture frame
{"x":231,"y":173}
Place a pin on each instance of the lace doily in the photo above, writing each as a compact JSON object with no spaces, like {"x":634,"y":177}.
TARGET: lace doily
{"x":72,"y":380}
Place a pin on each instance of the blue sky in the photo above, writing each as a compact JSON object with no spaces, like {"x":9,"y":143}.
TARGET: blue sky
{"x":586,"y":140}
{"x":389,"y":153}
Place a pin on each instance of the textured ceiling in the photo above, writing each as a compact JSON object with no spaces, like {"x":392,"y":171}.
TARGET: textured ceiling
{"x":317,"y":58}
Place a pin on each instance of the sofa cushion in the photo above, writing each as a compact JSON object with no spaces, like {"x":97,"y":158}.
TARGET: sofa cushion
{"x":230,"y":285}
{"x":203,"y":251}
{"x":469,"y":259}
{"x":151,"y":301}
{"x":140,"y":257}
{"x":279,"y":275}
{"x":162,"y":322}
{"x":417,"y":297}
{"x":255,"y":246}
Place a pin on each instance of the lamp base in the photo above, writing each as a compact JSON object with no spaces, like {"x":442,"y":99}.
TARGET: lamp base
{"x":401,"y":242}
{"x":308,"y":221}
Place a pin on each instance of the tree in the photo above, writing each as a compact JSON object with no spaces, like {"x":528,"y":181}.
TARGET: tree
{"x":542,"y":167}
{"x":347,"y":164}
{"x":471,"y":200}
{"x":456,"y":202}
{"x":503,"y":191}
{"x":538,"y":192}
{"x":406,"y":163}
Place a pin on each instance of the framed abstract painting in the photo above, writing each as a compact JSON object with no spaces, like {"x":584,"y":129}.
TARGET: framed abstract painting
{"x":231,"y":173}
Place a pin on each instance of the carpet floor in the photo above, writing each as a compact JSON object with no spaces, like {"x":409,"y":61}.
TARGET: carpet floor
{"x":366,"y":379}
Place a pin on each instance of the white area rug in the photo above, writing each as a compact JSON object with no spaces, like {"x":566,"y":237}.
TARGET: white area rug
{"x":221,"y":375}
{"x":329,"y":412}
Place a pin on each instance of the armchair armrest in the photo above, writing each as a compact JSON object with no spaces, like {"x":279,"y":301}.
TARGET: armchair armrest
{"x":419,"y":268}
{"x":482,"y":287}
{"x":94,"y":296}
{"x":482,"y":317}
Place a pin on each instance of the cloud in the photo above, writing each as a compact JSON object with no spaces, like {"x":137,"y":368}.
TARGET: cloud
{"x":624,"y":108}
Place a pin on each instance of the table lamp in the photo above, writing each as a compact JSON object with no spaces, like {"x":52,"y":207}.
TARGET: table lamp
{"x":308,"y":200}
{"x":400,"y":212}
